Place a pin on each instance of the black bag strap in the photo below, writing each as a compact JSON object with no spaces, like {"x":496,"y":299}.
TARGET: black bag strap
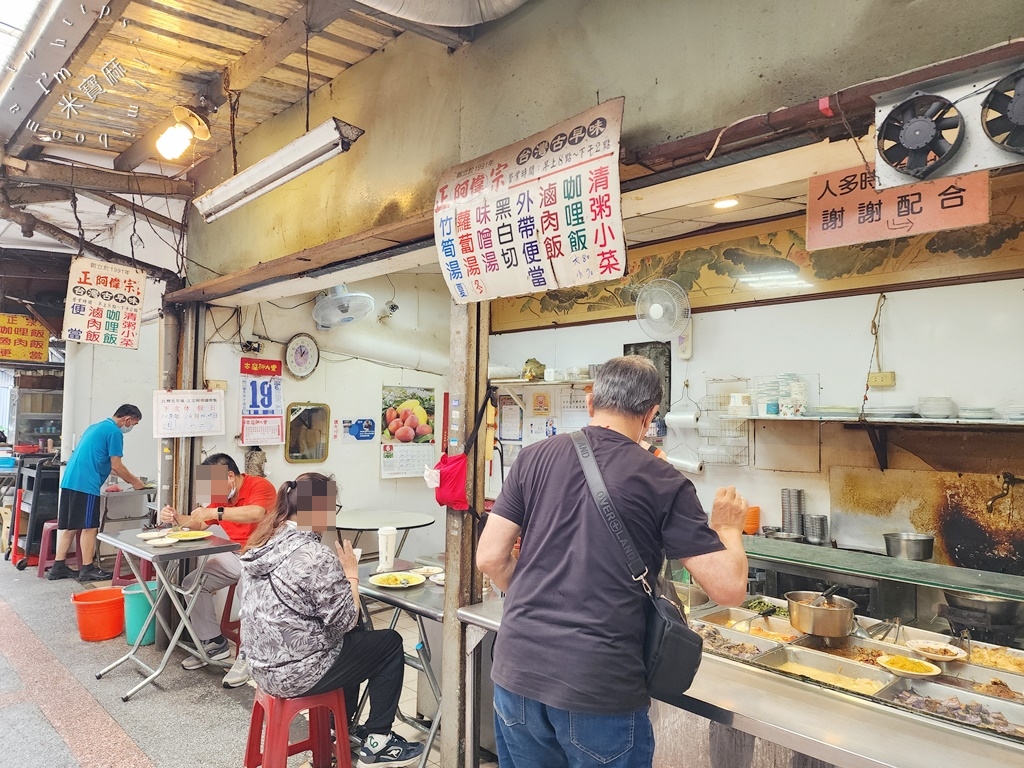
{"x":491,"y":398}
{"x":605,"y":505}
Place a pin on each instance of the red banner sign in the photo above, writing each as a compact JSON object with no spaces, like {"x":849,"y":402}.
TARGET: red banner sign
{"x":255,"y":367}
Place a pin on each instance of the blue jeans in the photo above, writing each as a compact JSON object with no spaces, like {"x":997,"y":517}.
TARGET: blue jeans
{"x":533,"y":735}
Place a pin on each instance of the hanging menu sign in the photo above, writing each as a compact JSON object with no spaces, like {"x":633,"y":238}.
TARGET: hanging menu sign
{"x":262,"y":402}
{"x":104,"y":304}
{"x":539,"y":215}
{"x":23,"y":338}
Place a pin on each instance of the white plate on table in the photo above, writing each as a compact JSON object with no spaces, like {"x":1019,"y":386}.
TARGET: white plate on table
{"x":438,"y":578}
{"x":162,"y":542}
{"x":397,"y":580}
{"x":427,"y":570}
{"x":149,"y":535}
{"x":936,"y":651}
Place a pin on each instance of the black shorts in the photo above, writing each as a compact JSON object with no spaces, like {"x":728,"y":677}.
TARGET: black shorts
{"x":77,"y":511}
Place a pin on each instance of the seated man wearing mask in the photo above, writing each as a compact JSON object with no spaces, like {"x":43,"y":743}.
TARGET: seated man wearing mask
{"x":237,"y":504}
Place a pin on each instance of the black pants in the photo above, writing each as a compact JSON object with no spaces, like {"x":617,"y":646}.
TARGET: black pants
{"x":376,"y":656}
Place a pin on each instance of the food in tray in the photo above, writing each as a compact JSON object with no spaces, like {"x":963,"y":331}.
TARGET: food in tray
{"x":714,"y":640}
{"x":855,"y":653}
{"x":779,"y":637}
{"x":908,"y":667}
{"x":849,"y":682}
{"x":971,"y":713}
{"x":757,"y":604}
{"x":996,"y":687}
{"x":397,"y":580}
{"x":1001,"y":658}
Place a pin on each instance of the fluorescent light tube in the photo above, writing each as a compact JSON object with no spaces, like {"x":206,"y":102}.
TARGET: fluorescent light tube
{"x":293,"y":159}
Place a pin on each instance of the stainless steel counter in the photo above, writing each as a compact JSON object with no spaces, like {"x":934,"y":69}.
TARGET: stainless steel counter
{"x":842,"y":729}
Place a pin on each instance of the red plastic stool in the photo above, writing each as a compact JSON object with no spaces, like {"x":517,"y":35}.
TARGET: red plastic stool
{"x":123,"y":581}
{"x":48,"y":538}
{"x":279,"y":714}
{"x":231,"y":629}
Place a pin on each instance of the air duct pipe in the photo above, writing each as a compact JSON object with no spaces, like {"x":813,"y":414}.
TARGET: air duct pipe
{"x":445,"y":13}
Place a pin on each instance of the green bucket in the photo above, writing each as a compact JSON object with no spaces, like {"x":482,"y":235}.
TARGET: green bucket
{"x":136,"y":609}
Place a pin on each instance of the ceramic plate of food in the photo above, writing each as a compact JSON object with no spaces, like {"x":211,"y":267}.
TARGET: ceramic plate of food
{"x":397,"y":580}
{"x":162,"y":542}
{"x":936,"y":651}
{"x":427,"y":570}
{"x":184,"y":535}
{"x":904,"y":666}
{"x":438,"y":578}
{"x":146,"y":535}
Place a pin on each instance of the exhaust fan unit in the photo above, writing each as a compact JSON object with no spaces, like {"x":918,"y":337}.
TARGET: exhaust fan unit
{"x":339,"y":307}
{"x":968,"y":122}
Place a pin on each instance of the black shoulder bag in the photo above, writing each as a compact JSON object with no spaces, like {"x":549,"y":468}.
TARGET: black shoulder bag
{"x":672,"y":651}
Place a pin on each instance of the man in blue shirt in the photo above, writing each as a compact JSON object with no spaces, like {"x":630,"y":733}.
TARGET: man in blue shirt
{"x":97,"y":455}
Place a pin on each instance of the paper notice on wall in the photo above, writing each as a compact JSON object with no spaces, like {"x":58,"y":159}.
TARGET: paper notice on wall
{"x":188,"y":412}
{"x":538,"y":215}
{"x":104,"y":304}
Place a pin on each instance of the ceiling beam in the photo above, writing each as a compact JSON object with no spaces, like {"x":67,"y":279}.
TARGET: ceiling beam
{"x":37,"y":195}
{"x":83,"y":177}
{"x":281,"y":43}
{"x":22,"y":138}
{"x":451,"y":37}
{"x":157,"y":219}
{"x":30,"y":224}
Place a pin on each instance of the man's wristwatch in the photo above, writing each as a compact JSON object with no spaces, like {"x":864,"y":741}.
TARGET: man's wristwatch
{"x":220,"y":513}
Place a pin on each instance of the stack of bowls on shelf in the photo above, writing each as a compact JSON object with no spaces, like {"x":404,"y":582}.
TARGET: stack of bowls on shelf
{"x":816,"y":529}
{"x":793,"y":506}
{"x":936,"y":407}
{"x":977,"y":412}
{"x":1014,"y":412}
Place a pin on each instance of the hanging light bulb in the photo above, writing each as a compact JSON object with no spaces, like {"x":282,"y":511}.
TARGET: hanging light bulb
{"x":174,"y":141}
{"x":191,"y":124}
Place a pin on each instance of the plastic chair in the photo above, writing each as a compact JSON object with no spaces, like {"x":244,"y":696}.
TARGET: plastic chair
{"x":119,"y":580}
{"x":47,"y":543}
{"x":231,"y":628}
{"x":279,"y":714}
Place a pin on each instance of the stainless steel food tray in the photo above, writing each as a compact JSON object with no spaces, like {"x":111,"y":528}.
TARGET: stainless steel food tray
{"x":979,"y":674}
{"x":763,"y":644}
{"x":825,"y":663}
{"x":822,"y":645}
{"x":1012,"y":711}
{"x":725,"y":616}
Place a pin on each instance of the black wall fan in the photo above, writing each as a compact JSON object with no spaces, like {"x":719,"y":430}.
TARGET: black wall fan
{"x":1002,"y":113}
{"x":920,"y":135}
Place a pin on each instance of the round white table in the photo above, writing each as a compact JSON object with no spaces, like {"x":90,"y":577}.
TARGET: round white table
{"x":360,"y":520}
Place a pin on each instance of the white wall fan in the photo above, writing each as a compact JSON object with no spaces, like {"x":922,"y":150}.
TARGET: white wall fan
{"x":663,"y":312}
{"x":337,"y":306}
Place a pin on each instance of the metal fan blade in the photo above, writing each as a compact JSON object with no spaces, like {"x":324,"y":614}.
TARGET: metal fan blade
{"x":940,"y":146}
{"x":909,"y":112}
{"x":895,"y":154}
{"x":918,"y":159}
{"x":891,"y":131}
{"x":1018,"y":85}
{"x":999,"y":101}
{"x":945,"y":123}
{"x":1016,"y":138}
{"x":999,"y":125}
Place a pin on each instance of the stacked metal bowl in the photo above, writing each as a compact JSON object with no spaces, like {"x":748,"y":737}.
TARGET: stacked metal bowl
{"x":816,"y":529}
{"x":793,"y":506}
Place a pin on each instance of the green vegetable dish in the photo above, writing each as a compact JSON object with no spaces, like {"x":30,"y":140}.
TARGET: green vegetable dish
{"x":757,"y":604}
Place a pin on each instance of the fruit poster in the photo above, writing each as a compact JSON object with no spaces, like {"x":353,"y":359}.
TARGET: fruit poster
{"x":407,"y":431}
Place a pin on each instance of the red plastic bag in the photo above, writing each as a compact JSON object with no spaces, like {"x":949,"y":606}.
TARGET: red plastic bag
{"x":452,"y":490}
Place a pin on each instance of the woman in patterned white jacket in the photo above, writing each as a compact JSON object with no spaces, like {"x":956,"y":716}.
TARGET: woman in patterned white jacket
{"x":300,"y":618}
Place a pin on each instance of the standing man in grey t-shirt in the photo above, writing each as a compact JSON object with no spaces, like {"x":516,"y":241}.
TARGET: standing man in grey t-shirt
{"x":568,"y":662}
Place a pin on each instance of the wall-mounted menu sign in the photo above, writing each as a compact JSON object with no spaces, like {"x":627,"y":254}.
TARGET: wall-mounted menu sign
{"x":104,"y":304}
{"x":535,"y":216}
{"x":188,"y":412}
{"x":23,"y":338}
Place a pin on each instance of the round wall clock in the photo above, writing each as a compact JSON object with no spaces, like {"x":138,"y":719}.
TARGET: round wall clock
{"x":301,"y":355}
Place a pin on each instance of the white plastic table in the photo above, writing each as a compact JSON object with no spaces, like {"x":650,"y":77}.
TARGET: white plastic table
{"x":360,"y":520}
{"x":183,"y":600}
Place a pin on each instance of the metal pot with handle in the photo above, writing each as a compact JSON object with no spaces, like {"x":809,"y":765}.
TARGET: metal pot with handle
{"x":832,"y":620}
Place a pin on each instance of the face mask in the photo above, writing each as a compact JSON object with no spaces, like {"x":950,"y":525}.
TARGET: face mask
{"x":231,"y":494}
{"x":127,"y":428}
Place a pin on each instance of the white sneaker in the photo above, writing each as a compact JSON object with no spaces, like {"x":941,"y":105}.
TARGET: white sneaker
{"x":238,"y":675}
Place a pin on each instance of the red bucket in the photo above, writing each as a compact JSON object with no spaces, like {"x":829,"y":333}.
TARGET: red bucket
{"x":100,"y":613}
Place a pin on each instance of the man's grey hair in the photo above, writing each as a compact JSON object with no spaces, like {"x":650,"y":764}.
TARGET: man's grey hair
{"x":629,"y":385}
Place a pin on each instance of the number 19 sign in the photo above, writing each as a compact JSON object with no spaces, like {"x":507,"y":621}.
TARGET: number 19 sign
{"x":262,"y":402}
